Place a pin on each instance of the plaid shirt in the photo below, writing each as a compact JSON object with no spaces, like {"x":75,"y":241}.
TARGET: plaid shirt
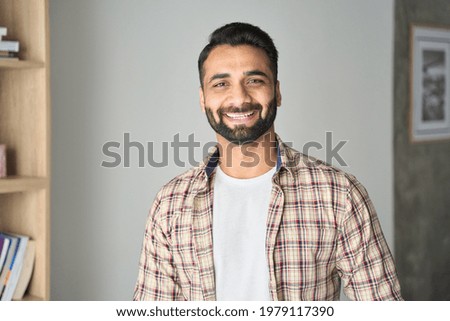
{"x":321,"y":229}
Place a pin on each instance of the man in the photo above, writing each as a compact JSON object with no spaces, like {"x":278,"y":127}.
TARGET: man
{"x":257,"y":220}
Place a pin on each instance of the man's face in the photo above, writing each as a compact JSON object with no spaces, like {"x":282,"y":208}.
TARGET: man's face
{"x":239,"y":96}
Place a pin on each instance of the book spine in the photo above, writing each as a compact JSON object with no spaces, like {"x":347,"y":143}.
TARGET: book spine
{"x":15,"y":269}
{"x":9,"y":46}
{"x":9,"y":264}
{"x":4,"y":253}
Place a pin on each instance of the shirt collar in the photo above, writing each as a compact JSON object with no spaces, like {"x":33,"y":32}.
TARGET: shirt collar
{"x":285,"y":159}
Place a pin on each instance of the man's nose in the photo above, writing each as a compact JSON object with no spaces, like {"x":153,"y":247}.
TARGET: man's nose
{"x":238,"y":95}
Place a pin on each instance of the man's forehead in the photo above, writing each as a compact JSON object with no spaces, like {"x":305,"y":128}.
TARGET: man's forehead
{"x":241,"y":56}
{"x":239,"y":51}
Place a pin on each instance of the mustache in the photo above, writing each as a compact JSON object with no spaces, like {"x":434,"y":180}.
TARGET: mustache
{"x":242,"y":109}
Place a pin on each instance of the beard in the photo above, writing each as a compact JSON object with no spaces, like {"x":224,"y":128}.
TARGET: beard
{"x":242,"y":134}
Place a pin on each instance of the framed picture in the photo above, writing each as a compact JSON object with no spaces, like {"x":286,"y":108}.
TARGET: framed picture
{"x":430,"y":84}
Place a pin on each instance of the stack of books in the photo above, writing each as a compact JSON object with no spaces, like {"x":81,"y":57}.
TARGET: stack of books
{"x":8,"y":49}
{"x":17,"y":254}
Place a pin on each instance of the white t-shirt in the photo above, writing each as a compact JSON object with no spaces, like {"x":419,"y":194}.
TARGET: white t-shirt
{"x":239,"y":230}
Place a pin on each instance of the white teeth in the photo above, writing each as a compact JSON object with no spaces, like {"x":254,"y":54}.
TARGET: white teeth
{"x":239,"y":116}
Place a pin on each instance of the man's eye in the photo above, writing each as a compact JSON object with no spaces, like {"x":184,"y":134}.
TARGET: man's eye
{"x":220,"y":84}
{"x":256,"y":81}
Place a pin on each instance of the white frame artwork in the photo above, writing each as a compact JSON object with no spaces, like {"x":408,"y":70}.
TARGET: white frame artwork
{"x":430,"y":84}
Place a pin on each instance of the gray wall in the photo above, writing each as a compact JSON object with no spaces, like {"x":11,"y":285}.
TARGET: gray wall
{"x":130,"y":67}
{"x":422,"y":175}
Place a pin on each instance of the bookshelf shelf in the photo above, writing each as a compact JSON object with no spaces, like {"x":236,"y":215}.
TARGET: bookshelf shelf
{"x":25,"y":130}
{"x":31,"y":298}
{"x":13,"y":184}
{"x":20,"y":64}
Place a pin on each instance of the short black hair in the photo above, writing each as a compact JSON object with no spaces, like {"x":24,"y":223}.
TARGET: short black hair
{"x":240,"y":33}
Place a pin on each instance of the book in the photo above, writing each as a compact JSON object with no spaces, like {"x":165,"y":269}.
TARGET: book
{"x":8,"y":262}
{"x":8,"y":45}
{"x":2,"y":255}
{"x":4,"y":247}
{"x":2,"y":240}
{"x":15,"y":268}
{"x":27,"y":271}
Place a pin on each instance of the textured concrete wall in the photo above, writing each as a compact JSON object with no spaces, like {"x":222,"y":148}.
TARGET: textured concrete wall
{"x":422,"y":174}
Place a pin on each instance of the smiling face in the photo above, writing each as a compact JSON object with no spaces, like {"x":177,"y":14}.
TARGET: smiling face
{"x":239,"y":95}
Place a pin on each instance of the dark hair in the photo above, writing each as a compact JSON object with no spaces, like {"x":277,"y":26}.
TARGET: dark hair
{"x":239,"y":33}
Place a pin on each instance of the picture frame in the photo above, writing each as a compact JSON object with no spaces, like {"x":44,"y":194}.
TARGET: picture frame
{"x":430,"y":83}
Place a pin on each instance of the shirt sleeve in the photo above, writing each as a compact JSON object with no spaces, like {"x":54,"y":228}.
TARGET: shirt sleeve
{"x":364,"y":261}
{"x":157,"y":275}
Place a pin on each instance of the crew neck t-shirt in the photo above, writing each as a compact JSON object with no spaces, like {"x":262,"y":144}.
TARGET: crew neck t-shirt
{"x":239,"y":230}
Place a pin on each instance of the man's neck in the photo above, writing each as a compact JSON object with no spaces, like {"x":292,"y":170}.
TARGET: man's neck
{"x":249,"y":160}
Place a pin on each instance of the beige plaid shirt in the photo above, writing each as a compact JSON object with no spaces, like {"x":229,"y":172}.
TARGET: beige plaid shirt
{"x":321,"y":229}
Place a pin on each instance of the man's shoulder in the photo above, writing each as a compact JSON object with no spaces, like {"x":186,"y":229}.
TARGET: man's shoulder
{"x":184,"y":183}
{"x":174,"y":196}
{"x":309,"y":167}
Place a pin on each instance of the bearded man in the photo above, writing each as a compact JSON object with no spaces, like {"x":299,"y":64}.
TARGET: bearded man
{"x":257,"y":220}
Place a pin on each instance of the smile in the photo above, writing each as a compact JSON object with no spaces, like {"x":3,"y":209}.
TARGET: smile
{"x":239,"y":116}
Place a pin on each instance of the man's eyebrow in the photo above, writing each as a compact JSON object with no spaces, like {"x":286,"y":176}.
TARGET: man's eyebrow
{"x":219,"y":76}
{"x":256,"y":73}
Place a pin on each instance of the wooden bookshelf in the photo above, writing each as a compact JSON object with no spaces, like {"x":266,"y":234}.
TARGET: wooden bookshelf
{"x":32,"y":298}
{"x":20,"y":64}
{"x":13,"y":184}
{"x":25,"y":129}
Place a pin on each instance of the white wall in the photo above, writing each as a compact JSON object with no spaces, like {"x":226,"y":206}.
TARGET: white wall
{"x":130,"y":66}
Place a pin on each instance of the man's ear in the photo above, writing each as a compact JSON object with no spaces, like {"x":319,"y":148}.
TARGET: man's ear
{"x":202,"y":98}
{"x":277,"y":90}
